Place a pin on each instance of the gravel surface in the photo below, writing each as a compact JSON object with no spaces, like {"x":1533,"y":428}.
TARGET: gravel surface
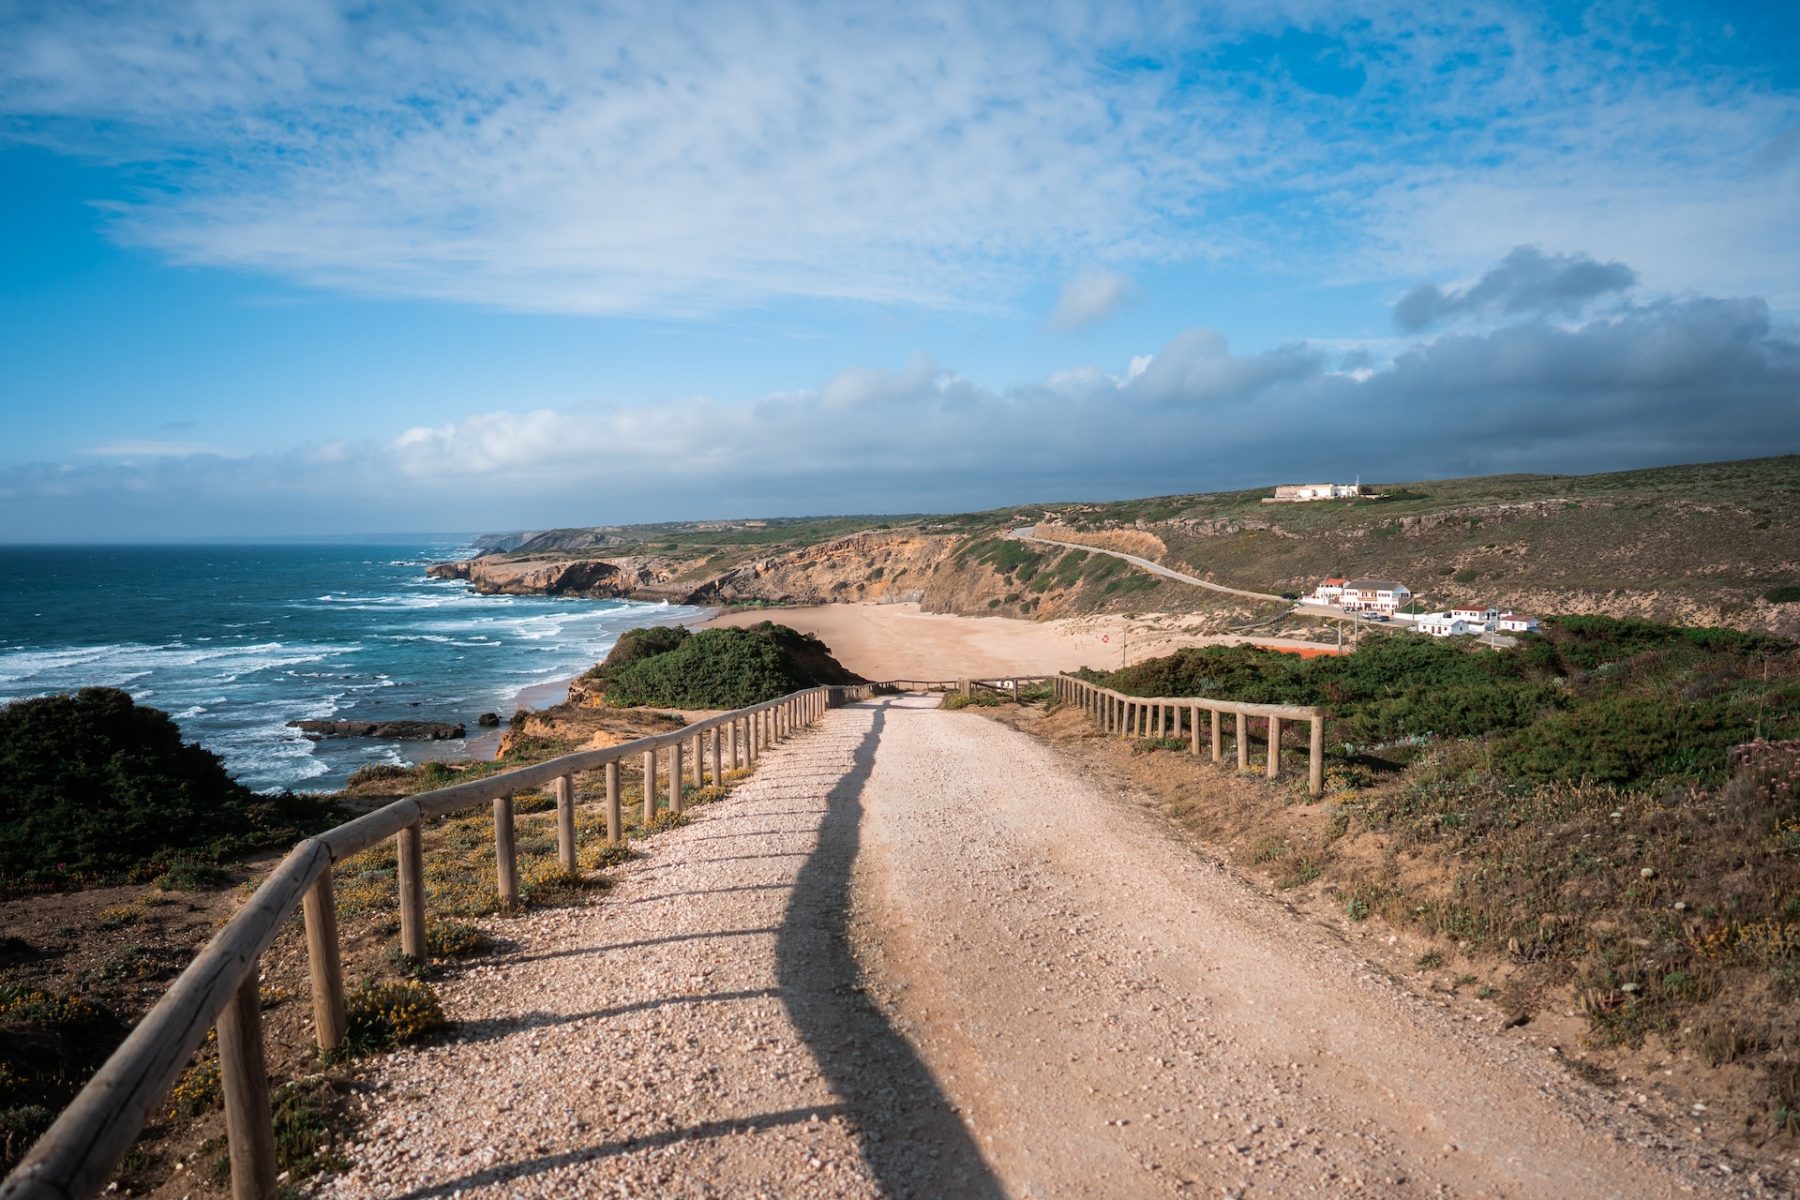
{"x":921,"y":954}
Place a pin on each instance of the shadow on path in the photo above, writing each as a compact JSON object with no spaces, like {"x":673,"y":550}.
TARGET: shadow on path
{"x":910,"y":1135}
{"x":502,"y":1173}
{"x":494,"y":1029}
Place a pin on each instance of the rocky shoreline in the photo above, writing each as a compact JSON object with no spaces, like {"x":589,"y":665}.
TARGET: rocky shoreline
{"x":413,"y":731}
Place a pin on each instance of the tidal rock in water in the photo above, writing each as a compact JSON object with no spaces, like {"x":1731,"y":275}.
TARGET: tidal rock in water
{"x":488,"y":720}
{"x":415,"y":731}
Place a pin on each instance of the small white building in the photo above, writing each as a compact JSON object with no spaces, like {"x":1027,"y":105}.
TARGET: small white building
{"x":1376,"y":595}
{"x":1329,"y":591}
{"x":1477,"y":618}
{"x":1516,"y":623}
{"x":1294,"y":493}
{"x":1442,"y":625}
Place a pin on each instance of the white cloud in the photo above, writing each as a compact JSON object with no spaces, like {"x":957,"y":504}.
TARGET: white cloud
{"x":1090,"y":298}
{"x":654,"y":159}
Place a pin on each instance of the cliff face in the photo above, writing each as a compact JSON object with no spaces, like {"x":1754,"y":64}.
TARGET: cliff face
{"x":873,"y":566}
{"x":599,"y":579}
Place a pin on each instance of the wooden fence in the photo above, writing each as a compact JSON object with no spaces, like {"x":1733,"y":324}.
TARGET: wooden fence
{"x":1006,"y":685}
{"x":1158,"y":717}
{"x":80,"y":1152}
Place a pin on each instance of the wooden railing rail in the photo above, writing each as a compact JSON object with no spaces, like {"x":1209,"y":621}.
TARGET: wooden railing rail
{"x":80,"y":1152}
{"x":1008,"y":684}
{"x":1156,"y":716}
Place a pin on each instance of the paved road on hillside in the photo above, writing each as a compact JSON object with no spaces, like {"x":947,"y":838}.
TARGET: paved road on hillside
{"x":919,"y":954}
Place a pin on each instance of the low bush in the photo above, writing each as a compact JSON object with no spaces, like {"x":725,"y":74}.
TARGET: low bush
{"x":725,"y":668}
{"x":98,"y":787}
{"x":392,"y":1013}
{"x":1594,"y":698}
{"x":50,"y":1044}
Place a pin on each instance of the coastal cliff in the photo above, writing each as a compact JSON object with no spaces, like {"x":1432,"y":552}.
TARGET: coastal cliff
{"x":595,"y":579}
{"x":1712,"y":544}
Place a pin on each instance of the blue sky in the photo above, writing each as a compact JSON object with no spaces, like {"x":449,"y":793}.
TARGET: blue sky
{"x":307,"y":267}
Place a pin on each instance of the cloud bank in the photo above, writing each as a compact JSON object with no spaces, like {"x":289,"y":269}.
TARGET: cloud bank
{"x":1647,"y":382}
{"x":1528,"y":281}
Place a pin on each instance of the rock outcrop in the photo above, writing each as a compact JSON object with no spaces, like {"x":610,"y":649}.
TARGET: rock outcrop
{"x":413,"y":731}
{"x":597,"y":579}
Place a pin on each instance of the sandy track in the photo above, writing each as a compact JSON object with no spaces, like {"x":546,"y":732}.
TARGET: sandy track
{"x":1061,"y":1000}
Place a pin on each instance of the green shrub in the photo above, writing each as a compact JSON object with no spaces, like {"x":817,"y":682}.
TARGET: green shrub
{"x":727,"y":668}
{"x":455,"y":939}
{"x":185,"y":874}
{"x":304,"y":1139}
{"x":198,"y":1090}
{"x":98,"y":787}
{"x":384,"y":1015}
{"x":1789,"y":594}
{"x":1622,"y":739}
{"x":20,"y":1126}
{"x":635,"y":645}
{"x":1596,"y":698}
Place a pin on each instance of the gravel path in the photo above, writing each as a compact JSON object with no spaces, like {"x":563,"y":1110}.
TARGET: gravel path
{"x":1061,"y":1000}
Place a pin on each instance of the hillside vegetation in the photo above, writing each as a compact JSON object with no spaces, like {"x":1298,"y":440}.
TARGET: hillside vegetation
{"x":1711,"y":544}
{"x":1612,"y":808}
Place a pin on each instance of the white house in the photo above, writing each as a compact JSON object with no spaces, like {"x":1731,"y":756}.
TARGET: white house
{"x":1517,"y":623}
{"x":1442,"y":625}
{"x":1293,"y":493}
{"x":1329,"y":591}
{"x":1477,"y":618}
{"x":1375,"y":595}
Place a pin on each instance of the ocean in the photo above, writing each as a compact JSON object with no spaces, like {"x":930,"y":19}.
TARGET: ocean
{"x":235,"y":641}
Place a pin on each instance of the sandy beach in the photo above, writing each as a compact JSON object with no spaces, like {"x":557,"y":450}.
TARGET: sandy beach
{"x":897,"y":641}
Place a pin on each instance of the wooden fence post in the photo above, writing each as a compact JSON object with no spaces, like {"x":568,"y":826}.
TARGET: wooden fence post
{"x":718,"y":755}
{"x":1315,"y":766}
{"x":564,"y":787}
{"x":699,"y":760}
{"x":1218,"y":748}
{"x":506,"y":854}
{"x":1194,"y":729}
{"x":675,"y":780}
{"x":737,"y":744}
{"x":1274,"y":767}
{"x":1243,"y":742}
{"x":244,"y":1078}
{"x":613,"y":816}
{"x":325,"y":963}
{"x":649,"y":786}
{"x":412,"y":892}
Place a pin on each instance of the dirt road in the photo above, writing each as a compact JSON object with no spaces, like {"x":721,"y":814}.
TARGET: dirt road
{"x":1144,"y":564}
{"x":920,"y":954}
